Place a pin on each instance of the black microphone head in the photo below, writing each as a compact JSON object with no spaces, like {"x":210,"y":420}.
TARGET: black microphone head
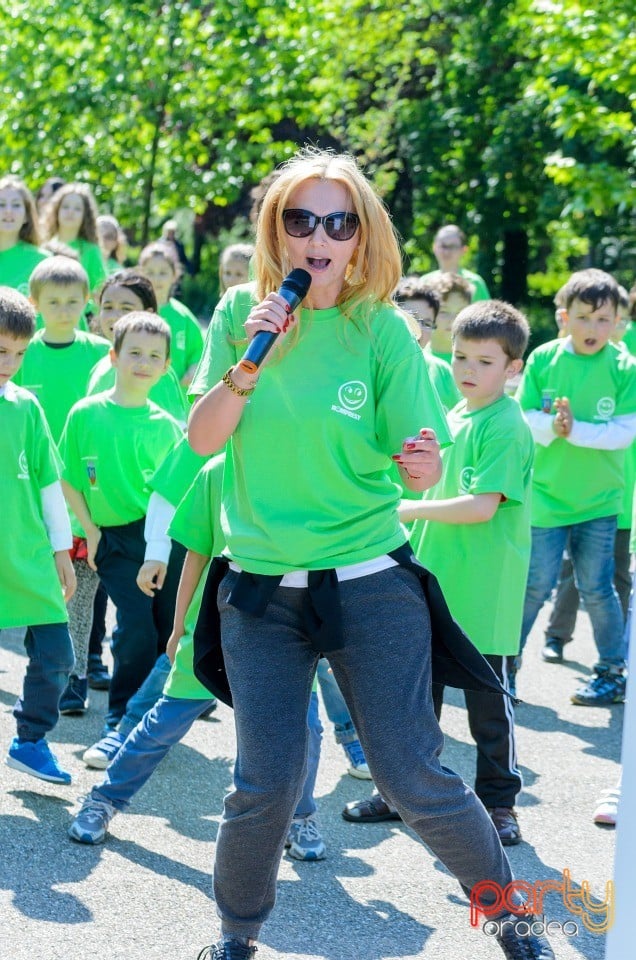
{"x":297,"y":282}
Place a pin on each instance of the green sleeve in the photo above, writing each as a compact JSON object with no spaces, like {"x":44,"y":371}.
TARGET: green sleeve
{"x":197,"y":521}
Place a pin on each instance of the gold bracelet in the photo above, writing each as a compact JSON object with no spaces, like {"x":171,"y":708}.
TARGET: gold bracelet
{"x":229,"y":383}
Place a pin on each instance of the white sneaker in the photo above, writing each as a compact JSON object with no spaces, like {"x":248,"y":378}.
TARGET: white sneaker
{"x":101,"y":753}
{"x":607,"y":807}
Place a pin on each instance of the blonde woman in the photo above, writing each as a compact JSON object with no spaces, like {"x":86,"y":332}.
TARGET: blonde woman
{"x":318,"y":560}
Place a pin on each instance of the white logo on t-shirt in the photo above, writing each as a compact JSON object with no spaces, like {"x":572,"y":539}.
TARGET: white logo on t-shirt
{"x":23,"y":466}
{"x":605,"y":407}
{"x":352,"y":396}
{"x":181,"y":340}
{"x":466,"y":478}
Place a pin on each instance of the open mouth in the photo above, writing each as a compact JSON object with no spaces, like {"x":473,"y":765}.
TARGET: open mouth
{"x":590,"y":342}
{"x":318,"y":263}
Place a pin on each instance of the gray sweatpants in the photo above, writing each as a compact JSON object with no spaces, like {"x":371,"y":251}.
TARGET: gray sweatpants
{"x":384,"y":673}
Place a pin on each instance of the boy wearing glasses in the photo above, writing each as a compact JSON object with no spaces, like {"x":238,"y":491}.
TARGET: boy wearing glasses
{"x":449,"y":247}
{"x":421,"y":302}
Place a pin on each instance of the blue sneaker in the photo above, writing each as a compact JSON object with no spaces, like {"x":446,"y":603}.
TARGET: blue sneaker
{"x":90,"y":824}
{"x":304,"y":841}
{"x":601,"y":689}
{"x":36,"y":759}
{"x":357,"y":761}
{"x":228,"y":950}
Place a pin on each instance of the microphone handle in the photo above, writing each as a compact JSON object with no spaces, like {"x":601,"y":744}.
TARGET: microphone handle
{"x":263,"y":341}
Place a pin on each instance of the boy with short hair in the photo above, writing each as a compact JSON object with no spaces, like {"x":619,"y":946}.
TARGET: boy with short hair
{"x":454,"y":293}
{"x":579,"y":397}
{"x":60,"y":357}
{"x":112,"y":444}
{"x":421,"y":302}
{"x":36,"y":575}
{"x":481,"y":509}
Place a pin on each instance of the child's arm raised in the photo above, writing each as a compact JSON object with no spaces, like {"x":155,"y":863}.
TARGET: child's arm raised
{"x":78,"y":505}
{"x":471,"y":508}
{"x":193,"y":567}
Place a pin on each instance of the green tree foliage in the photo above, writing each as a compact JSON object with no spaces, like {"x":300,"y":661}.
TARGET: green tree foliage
{"x":514,"y":118}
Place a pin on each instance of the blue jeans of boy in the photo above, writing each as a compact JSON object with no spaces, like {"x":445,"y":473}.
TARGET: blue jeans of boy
{"x":335,"y":705}
{"x":164,"y":725}
{"x":591,"y":547}
{"x":50,"y":660}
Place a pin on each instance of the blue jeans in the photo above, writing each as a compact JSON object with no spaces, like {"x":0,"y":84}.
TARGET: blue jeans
{"x":591,"y":548}
{"x":147,"y":695}
{"x":335,"y":705}
{"x":50,"y":661}
{"x":384,"y":672}
{"x":166,"y":723}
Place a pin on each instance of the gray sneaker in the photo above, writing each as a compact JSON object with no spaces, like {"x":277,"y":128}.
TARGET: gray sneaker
{"x":304,"y":841}
{"x":91,"y":823}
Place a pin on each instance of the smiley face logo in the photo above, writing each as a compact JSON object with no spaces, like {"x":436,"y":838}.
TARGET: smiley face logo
{"x":353,"y":394}
{"x":605,"y":407}
{"x":466,"y":478}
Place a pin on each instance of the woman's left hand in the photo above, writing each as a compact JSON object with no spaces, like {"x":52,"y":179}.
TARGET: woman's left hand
{"x":420,"y":460}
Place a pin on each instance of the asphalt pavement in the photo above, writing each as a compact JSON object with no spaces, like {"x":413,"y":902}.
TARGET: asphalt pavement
{"x":380,"y":895}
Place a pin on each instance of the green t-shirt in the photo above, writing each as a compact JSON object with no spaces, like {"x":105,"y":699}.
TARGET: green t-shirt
{"x":30,"y":591}
{"x":306,"y":482}
{"x":186,"y":344}
{"x":92,"y":260}
{"x":196,"y":525}
{"x":481,"y":290}
{"x":18,"y":263}
{"x":441,"y":376}
{"x":574,"y":484}
{"x":177,"y":472}
{"x":483,"y":567}
{"x":629,"y":339}
{"x":110,"y":453}
{"x":166,"y":393}
{"x":58,"y":373}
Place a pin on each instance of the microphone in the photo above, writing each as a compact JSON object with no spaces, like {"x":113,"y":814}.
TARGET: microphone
{"x":293,"y":290}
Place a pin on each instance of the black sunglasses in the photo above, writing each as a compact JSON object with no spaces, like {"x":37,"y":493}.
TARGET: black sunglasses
{"x":338,"y":226}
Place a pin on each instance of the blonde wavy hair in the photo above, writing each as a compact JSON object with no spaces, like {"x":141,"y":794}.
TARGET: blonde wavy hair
{"x":88,"y":226}
{"x":30,"y":229}
{"x":375,"y":268}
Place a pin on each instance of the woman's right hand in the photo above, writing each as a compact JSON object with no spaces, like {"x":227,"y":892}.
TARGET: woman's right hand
{"x":270,"y":315}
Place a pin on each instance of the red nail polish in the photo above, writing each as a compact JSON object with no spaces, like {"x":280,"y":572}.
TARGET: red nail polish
{"x":410,"y":446}
{"x":396,"y":457}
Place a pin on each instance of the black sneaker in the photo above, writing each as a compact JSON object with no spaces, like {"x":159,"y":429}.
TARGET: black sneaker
{"x":98,"y":675}
{"x":74,"y":700}
{"x":227,"y":950}
{"x":517,"y":940}
{"x":553,"y":650}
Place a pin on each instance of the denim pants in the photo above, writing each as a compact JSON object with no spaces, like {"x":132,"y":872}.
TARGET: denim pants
{"x":591,"y":548}
{"x":50,"y":661}
{"x":165,"y":724}
{"x":335,"y":705}
{"x":144,"y":623}
{"x":384,"y":673}
{"x":566,"y":602}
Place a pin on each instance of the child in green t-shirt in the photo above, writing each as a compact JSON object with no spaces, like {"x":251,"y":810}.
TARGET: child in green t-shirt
{"x":36,"y":575}
{"x":454,"y":293}
{"x":60,"y":357}
{"x":20,"y":251}
{"x":579,"y":397}
{"x":421,"y":302}
{"x":197,"y":525}
{"x":472,"y":530}
{"x":160,"y":263}
{"x":122,"y":292}
{"x":71,"y":216}
{"x":111,"y":445}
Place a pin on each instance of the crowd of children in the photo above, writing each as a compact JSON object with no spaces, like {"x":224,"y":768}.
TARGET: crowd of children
{"x":101,"y":487}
